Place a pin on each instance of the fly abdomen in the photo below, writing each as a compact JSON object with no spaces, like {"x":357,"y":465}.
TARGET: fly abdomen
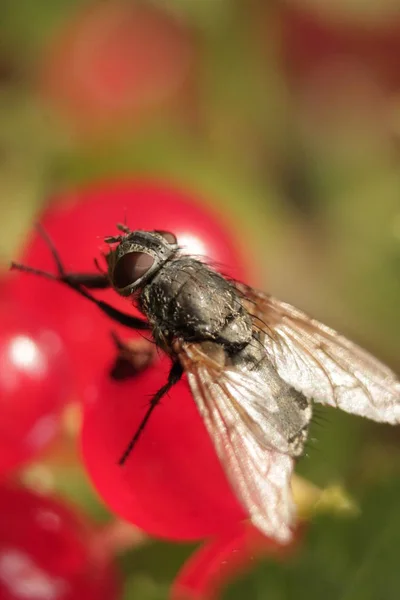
{"x":292,"y":412}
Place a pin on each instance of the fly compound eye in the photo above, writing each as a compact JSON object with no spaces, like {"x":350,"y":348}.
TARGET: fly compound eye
{"x":168,"y":236}
{"x":131,"y":267}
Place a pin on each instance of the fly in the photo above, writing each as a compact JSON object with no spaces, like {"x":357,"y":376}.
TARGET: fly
{"x":253,"y":363}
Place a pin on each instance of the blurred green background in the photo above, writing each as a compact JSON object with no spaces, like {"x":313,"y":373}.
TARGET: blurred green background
{"x":286,"y":115}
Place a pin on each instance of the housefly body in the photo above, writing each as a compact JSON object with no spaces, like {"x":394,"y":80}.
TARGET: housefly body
{"x":253,"y":363}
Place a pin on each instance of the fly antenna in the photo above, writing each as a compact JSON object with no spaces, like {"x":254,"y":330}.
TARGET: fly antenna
{"x":123,"y":227}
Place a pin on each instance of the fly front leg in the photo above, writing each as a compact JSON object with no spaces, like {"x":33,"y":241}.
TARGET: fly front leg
{"x":81,"y":282}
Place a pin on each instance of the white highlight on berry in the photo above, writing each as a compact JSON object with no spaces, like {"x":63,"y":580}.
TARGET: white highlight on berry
{"x":192,"y":244}
{"x":25,"y":354}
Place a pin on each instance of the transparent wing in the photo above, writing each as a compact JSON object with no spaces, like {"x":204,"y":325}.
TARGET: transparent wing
{"x":231,"y":408}
{"x":322,"y":364}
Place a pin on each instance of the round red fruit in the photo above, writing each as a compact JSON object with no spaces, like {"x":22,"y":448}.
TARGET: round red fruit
{"x":313,"y":42}
{"x":78,"y":220}
{"x":117,"y":62}
{"x":46,"y":552}
{"x":172,"y":484}
{"x":223,"y":559}
{"x":35,"y":383}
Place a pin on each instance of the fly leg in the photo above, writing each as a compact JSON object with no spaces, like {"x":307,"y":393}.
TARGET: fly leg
{"x":173,"y":377}
{"x":133,"y":357}
{"x":81,"y":282}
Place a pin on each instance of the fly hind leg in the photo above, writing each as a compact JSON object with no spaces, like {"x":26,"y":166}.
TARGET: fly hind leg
{"x":173,"y":377}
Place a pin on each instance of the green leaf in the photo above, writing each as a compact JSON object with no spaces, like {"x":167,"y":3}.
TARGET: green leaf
{"x":150,"y":569}
{"x":351,"y":559}
{"x":333,"y":446}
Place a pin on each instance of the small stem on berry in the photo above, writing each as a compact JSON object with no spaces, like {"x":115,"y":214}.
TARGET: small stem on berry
{"x":116,"y":537}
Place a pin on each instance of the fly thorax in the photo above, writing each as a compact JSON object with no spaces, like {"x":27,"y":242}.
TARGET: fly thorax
{"x":195,"y":302}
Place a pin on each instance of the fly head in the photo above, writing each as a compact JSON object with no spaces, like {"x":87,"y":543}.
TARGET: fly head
{"x":138,"y":256}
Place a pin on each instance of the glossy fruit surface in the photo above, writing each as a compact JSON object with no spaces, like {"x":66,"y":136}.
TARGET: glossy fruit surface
{"x":78,"y":220}
{"x":159,"y":488}
{"x":35,"y":383}
{"x":172,"y":485}
{"x":222,"y":560}
{"x":46,"y":552}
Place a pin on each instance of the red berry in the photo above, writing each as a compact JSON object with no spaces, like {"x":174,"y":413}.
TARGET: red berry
{"x":172,"y":484}
{"x":47,"y":552}
{"x":78,"y":220}
{"x":117,"y":62}
{"x":35,"y":383}
{"x":314,"y":42}
{"x":220,"y":561}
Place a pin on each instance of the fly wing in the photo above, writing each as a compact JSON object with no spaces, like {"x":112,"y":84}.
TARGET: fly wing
{"x":241,"y":417}
{"x":322,"y":364}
